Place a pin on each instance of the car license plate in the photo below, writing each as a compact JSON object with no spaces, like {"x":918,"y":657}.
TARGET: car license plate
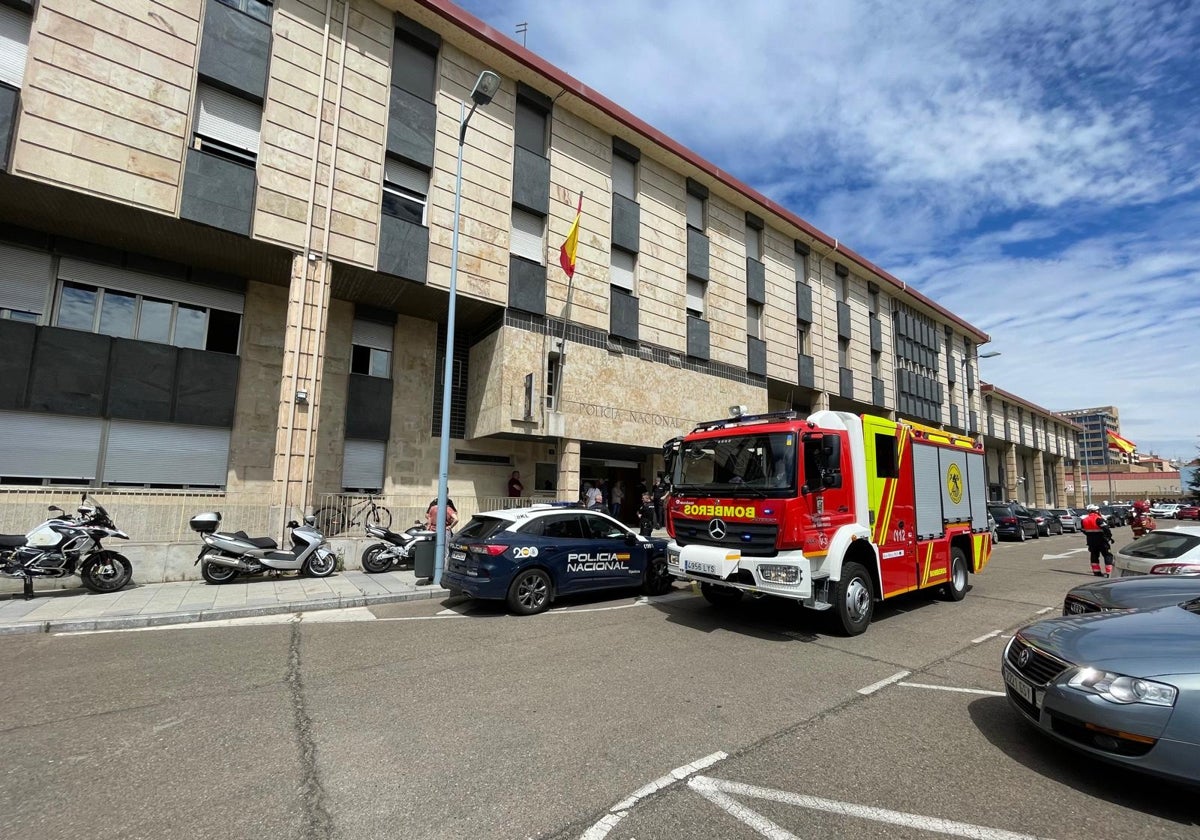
{"x":702,"y":568}
{"x":1022,"y":689}
{"x":458,"y":555}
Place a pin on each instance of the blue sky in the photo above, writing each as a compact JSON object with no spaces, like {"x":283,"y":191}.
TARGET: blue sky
{"x":1031,"y":166}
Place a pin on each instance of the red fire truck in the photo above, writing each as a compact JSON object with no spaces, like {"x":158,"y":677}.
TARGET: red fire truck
{"x":836,"y":511}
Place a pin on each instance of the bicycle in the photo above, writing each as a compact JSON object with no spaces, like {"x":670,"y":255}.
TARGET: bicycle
{"x":339,"y":517}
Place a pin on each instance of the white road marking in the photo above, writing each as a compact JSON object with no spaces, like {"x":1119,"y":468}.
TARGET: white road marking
{"x":953,"y":688}
{"x":985,"y":637}
{"x":873,"y":687}
{"x":1046,"y":610}
{"x":717,"y":791}
{"x":1064,"y":555}
{"x":618,"y":812}
{"x":312,"y":617}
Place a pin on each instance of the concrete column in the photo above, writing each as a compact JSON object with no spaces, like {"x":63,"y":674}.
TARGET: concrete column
{"x":1010,"y":471}
{"x":820,"y":401}
{"x":303,"y":359}
{"x":568,"y":471}
{"x":1060,"y":479}
{"x":1039,"y":480}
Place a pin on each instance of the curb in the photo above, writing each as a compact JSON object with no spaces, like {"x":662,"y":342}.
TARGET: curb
{"x":127,"y":622}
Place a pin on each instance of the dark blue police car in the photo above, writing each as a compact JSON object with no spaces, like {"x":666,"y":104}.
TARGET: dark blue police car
{"x":529,"y":556}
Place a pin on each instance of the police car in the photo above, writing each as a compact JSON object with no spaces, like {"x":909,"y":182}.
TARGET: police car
{"x":529,"y":556}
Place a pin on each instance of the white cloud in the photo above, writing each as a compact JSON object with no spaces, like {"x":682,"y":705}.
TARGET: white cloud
{"x":1033,"y":170}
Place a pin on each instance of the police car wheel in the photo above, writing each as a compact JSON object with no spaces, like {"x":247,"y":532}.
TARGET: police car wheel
{"x":529,"y":592}
{"x":956,"y":588}
{"x":720,"y":596}
{"x":658,"y":580}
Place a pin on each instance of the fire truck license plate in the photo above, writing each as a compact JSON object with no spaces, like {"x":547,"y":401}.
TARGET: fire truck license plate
{"x":702,"y":568}
{"x":1022,"y":689}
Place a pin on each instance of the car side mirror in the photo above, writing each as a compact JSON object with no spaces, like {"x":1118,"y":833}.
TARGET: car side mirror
{"x":630,"y":538}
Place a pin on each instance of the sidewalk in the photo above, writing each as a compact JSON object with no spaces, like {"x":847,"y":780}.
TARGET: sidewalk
{"x":154,"y":604}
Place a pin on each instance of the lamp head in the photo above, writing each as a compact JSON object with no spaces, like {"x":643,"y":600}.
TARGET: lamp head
{"x":485,"y":87}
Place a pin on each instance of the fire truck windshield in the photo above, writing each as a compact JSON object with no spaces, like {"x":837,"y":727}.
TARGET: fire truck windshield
{"x":739,"y":464}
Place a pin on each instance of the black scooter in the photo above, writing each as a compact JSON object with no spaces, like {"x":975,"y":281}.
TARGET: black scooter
{"x":396,"y":550}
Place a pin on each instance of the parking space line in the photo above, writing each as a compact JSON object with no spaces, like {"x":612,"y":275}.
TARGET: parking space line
{"x":985,"y":637}
{"x":619,"y":811}
{"x":953,"y":688}
{"x":717,"y":791}
{"x":873,"y":687}
{"x":1046,"y":610}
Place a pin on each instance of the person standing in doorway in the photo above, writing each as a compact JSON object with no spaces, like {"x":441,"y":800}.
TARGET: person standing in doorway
{"x":515,"y":487}
{"x":618,"y":496}
{"x":646,"y":515}
{"x":592,"y":496}
{"x":657,"y":493}
{"x":1099,"y":538}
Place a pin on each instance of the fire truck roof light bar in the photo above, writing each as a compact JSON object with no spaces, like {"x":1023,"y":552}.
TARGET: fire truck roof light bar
{"x":747,"y":419}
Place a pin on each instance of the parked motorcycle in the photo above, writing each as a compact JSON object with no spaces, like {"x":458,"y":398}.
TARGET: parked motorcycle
{"x":66,"y":545}
{"x":225,"y":556}
{"x":396,"y":550}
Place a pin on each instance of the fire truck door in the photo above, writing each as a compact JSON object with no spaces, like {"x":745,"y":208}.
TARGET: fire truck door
{"x":893,"y":507}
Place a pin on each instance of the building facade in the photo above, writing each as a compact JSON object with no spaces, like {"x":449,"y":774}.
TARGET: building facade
{"x":225,"y":248}
{"x":1030,"y":451}
{"x":1093,"y":439}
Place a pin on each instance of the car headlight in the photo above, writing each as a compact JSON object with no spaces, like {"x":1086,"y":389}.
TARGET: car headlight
{"x":672,"y":558}
{"x":1118,"y":688}
{"x":779,"y":574}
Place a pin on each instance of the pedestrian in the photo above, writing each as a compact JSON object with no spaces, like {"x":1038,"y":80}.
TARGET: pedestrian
{"x":618,"y":496}
{"x":646,"y":516}
{"x":592,"y":496}
{"x":451,"y":516}
{"x":1142,"y":522}
{"x":515,"y":487}
{"x":657,"y":493}
{"x":1099,"y":538}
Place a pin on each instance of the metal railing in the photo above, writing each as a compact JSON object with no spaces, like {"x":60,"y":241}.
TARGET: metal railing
{"x":346,"y":514}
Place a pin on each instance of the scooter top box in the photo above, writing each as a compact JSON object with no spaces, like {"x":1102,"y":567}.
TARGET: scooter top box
{"x":205,"y":523}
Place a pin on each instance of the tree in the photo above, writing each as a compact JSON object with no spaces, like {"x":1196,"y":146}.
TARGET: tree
{"x":1193,"y":484}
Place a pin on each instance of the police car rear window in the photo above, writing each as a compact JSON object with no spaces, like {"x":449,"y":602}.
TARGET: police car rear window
{"x":481,"y":528}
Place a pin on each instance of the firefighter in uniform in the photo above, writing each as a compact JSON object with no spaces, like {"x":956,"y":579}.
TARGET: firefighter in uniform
{"x":1099,"y":538}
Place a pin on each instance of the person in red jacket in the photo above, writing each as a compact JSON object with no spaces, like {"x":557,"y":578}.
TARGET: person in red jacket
{"x":1099,"y":538}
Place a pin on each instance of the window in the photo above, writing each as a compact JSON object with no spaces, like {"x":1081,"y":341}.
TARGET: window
{"x":371,"y":348}
{"x":414,"y":67}
{"x":125,"y":315}
{"x":754,"y":243}
{"x":801,"y":266}
{"x":563,"y":527}
{"x":695,"y":297}
{"x":227,"y":125}
{"x":531,"y":127}
{"x":528,"y":230}
{"x":552,"y":381}
{"x":599,"y":528}
{"x":873,"y":303}
{"x":405,"y":191}
{"x":846,"y":289}
{"x":257,"y":9}
{"x":363,"y":463}
{"x":886,"y":463}
{"x":754,"y":313}
{"x":802,"y":339}
{"x":623,"y":269}
{"x":695,"y":211}
{"x":14,"y":44}
{"x":844,"y":352}
{"x":624,"y":177}
{"x":875,"y":365}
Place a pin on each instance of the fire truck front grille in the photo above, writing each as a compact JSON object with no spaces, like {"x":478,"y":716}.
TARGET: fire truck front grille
{"x":753,"y":539}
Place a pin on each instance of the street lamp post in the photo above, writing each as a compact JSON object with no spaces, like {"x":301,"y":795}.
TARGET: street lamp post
{"x":485,"y":88}
{"x":966,"y":363}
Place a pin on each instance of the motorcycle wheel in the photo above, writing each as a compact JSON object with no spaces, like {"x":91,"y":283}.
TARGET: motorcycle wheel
{"x":321,"y":565}
{"x":217,"y":574}
{"x":106,"y":571}
{"x":371,"y":562}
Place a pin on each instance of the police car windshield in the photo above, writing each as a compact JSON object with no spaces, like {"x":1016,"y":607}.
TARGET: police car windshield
{"x":752,"y":465}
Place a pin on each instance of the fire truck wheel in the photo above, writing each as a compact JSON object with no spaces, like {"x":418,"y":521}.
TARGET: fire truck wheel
{"x":956,"y":589}
{"x":855,"y":600}
{"x":720,"y":596}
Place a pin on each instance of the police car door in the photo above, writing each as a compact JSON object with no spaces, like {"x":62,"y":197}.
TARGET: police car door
{"x":613,"y":560}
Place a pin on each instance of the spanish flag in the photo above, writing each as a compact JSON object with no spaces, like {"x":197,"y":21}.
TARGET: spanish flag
{"x":1115,"y":441}
{"x":566,"y":256}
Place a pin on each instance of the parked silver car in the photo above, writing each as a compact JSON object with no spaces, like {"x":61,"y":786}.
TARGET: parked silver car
{"x":1122,"y":687}
{"x":1069,"y":519}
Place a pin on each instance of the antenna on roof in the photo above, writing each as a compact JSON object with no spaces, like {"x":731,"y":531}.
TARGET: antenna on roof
{"x":522,"y":28}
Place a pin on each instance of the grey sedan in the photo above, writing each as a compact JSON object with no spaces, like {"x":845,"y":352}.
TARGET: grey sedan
{"x":1143,"y":592}
{"x":1122,"y":687}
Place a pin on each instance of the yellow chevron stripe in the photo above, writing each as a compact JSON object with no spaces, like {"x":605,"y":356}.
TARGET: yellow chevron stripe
{"x":928,"y":563}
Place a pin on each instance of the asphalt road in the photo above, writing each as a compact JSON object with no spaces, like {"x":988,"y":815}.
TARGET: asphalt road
{"x":456,"y":720}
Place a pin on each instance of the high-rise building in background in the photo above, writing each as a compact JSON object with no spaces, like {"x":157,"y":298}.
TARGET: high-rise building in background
{"x":1093,"y":447}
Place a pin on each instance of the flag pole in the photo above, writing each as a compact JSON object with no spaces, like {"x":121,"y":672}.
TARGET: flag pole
{"x":1107,"y":468}
{"x":562,"y":341}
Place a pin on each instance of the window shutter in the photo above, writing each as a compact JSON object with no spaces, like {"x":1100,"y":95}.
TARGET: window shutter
{"x":695,"y":296}
{"x":372,"y":334}
{"x":228,"y":118}
{"x":24,"y":279}
{"x":621,"y":270}
{"x":406,"y":176}
{"x":754,"y":320}
{"x":625,"y":177}
{"x":14,"y":44}
{"x":362,"y":464}
{"x":166,"y":453}
{"x":527,"y":230}
{"x":48,"y":445}
{"x":695,"y":211}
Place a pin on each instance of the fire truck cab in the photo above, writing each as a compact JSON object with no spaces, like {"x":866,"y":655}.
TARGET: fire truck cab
{"x":836,"y":510}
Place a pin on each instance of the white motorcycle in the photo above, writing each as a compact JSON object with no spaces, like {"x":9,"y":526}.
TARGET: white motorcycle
{"x":67,"y":545}
{"x":225,"y":556}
